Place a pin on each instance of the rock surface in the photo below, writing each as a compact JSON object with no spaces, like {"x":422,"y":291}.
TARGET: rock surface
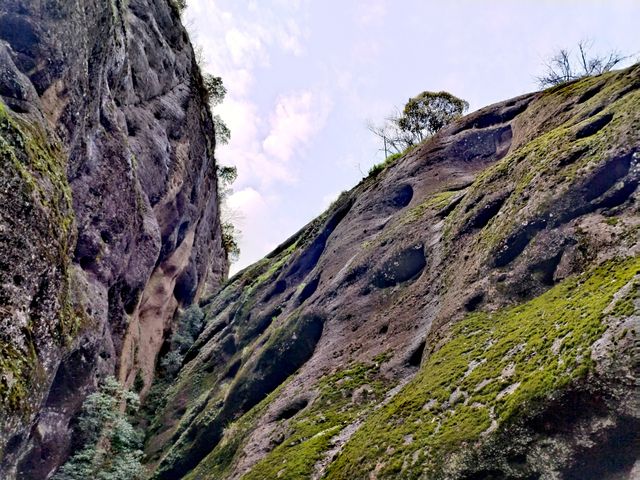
{"x":470,"y":312}
{"x":109,"y":208}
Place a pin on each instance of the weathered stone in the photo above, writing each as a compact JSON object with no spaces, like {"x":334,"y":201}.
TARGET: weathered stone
{"x":462,"y":290}
{"x":109,"y":207}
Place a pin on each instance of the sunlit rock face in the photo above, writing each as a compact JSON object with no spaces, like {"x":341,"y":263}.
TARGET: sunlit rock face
{"x":109,"y":208}
{"x":469,"y":312}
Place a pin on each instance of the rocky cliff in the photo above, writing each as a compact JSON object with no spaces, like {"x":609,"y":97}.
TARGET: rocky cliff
{"x":469,"y":312}
{"x":109,"y":208}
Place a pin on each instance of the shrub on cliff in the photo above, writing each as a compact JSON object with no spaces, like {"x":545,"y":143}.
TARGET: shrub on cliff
{"x":112,"y":447}
{"x":215,"y":92}
{"x":180,"y":5}
{"x":189,"y":326}
{"x":230,"y":233}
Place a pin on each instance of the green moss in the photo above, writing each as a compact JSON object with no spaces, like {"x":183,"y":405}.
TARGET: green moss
{"x":495,"y":367}
{"x":35,"y":163}
{"x":218,"y":463}
{"x":17,"y":370}
{"x":310,"y":430}
{"x":551,"y":163}
{"x":313,"y":428}
{"x":275,"y":266}
{"x":575,"y":88}
{"x":434,"y":202}
{"x":45,"y":165}
{"x":626,"y":306}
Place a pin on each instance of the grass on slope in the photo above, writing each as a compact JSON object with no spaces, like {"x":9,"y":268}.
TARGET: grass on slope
{"x":493,"y":368}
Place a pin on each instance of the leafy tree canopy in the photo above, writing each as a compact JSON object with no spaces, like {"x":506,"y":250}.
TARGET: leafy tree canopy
{"x":422,"y":117}
{"x":112,"y":448}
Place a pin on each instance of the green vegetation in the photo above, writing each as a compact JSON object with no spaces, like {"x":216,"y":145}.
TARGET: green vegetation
{"x":625,"y":306}
{"x":390,"y":160}
{"x":40,"y":162}
{"x":422,"y":117}
{"x":429,"y":112}
{"x":434,"y":202}
{"x":218,"y":463}
{"x":215,"y":92}
{"x":188,"y":327}
{"x":18,"y":370}
{"x":111,"y":446}
{"x":342,"y":398}
{"x":551,"y":162}
{"x":180,"y":5}
{"x":312,"y":429}
{"x":494,"y":368}
{"x":34,"y":170}
{"x":230,"y":233}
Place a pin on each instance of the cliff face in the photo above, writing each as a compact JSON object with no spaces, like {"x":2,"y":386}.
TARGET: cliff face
{"x":109,"y":207}
{"x":470,"y":312}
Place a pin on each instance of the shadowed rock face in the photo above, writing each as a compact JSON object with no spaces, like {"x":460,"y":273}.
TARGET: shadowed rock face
{"x":109,"y":207}
{"x":479,"y":303}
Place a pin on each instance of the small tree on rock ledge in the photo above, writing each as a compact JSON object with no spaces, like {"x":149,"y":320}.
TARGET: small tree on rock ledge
{"x":423,"y":116}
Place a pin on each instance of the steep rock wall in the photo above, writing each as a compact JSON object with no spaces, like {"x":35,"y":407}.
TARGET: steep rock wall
{"x":479,"y":303}
{"x":109,"y":207}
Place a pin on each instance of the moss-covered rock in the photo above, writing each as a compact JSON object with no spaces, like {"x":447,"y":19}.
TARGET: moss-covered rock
{"x":493,"y":369}
{"x":110,"y":210}
{"x":38,"y":318}
{"x":472,"y":292}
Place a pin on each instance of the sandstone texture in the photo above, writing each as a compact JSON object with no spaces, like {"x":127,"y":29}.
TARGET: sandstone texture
{"x":468,"y":311}
{"x":109,"y":208}
{"x":471,"y":311}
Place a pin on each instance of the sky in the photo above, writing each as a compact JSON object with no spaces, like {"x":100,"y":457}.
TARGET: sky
{"x":305,"y":77}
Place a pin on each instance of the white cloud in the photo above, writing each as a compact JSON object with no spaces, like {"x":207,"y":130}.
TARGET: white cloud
{"x":371,"y":13}
{"x":242,"y":118}
{"x":297,"y":117}
{"x":256,"y":168}
{"x":235,"y":46}
{"x":263,"y":151}
{"x":291,"y":36}
{"x":240,"y":82}
{"x":242,"y":43}
{"x":245,"y":200}
{"x":246,"y":48}
{"x":253,"y":215}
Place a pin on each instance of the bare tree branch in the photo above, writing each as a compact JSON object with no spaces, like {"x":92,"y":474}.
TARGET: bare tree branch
{"x":564,"y":67}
